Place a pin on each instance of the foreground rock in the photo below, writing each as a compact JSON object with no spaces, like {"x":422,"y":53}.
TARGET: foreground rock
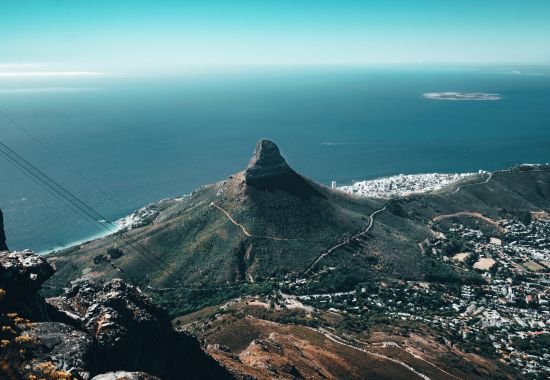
{"x":21,"y":276}
{"x":23,"y":271}
{"x":132,"y":333}
{"x":3,"y":246}
{"x":67,"y":348}
{"x":92,"y":329}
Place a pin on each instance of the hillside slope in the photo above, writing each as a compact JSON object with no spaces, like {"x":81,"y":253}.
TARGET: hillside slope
{"x":267,"y":221}
{"x":269,"y":224}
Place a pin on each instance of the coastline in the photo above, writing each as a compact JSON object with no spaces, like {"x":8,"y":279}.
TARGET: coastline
{"x":138,"y":218}
{"x":97,"y":236}
{"x":148,"y":213}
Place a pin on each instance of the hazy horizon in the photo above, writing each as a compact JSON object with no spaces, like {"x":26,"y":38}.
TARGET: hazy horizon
{"x":140,"y":36}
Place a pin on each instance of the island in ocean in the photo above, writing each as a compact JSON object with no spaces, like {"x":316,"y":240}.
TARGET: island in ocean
{"x":450,"y":95}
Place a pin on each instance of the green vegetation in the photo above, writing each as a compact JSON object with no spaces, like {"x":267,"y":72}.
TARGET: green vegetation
{"x":193,"y":256}
{"x":535,"y":345}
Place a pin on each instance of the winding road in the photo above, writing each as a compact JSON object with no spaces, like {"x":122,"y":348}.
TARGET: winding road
{"x":337,"y":339}
{"x":324,"y":254}
{"x":345,"y":342}
{"x":347,"y":241}
{"x":472,"y":184}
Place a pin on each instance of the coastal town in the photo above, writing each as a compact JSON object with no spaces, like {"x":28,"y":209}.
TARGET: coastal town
{"x":403,"y":184}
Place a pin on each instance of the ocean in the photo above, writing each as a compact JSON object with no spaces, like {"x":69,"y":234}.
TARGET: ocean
{"x":121,"y":141}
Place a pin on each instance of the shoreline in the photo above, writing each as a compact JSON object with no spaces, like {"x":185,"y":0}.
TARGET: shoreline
{"x":97,"y":236}
{"x":140,"y":216}
{"x":136,"y":219}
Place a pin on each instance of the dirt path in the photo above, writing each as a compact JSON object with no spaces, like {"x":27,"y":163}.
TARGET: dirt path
{"x":347,"y":241}
{"x":470,"y":214}
{"x":338,"y":340}
{"x":472,"y":184}
{"x":243,"y":228}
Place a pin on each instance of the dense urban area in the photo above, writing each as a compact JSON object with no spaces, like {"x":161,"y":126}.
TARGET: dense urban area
{"x":503,"y":311}
{"x":403,"y":184}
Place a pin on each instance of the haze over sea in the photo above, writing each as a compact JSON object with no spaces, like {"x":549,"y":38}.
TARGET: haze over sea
{"x":143,"y":138}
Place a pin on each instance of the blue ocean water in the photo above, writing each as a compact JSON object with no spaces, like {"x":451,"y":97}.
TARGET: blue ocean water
{"x":142,"y":138}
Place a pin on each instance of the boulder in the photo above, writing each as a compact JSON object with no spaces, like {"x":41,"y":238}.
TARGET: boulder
{"x":21,"y":275}
{"x":62,"y":345}
{"x":23,"y":271}
{"x":131,"y":333}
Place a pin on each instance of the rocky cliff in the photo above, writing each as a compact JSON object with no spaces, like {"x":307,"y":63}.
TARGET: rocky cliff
{"x":266,"y":162}
{"x":269,"y":171}
{"x":90,"y":330}
{"x":130,"y":332}
{"x":3,"y":246}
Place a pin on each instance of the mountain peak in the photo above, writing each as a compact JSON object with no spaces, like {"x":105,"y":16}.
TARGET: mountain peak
{"x":268,"y":170}
{"x":266,"y":162}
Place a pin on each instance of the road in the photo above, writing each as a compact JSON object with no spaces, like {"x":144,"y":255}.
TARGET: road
{"x":472,"y":184}
{"x":323,"y":255}
{"x":347,"y":241}
{"x":337,"y":339}
{"x":471,"y":214}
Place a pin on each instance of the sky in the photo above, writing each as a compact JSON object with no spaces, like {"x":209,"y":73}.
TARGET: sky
{"x":140,"y":34}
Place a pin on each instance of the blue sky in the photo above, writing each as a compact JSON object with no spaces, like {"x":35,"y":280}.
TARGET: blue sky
{"x":154,"y":33}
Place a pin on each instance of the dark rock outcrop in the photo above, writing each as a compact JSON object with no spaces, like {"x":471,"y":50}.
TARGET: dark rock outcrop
{"x":23,"y":271}
{"x":269,"y":171}
{"x":266,"y":162}
{"x":3,"y":246}
{"x":134,"y":334}
{"x":21,"y":276}
{"x":67,"y":348}
{"x":93,"y":329}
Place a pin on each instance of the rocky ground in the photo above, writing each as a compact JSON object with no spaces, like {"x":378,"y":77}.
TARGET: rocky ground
{"x":3,"y":246}
{"x":105,"y":332}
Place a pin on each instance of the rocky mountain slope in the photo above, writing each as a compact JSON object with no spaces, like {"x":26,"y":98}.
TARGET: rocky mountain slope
{"x":265,"y":222}
{"x":3,"y":246}
{"x":269,"y":224}
{"x":90,"y":330}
